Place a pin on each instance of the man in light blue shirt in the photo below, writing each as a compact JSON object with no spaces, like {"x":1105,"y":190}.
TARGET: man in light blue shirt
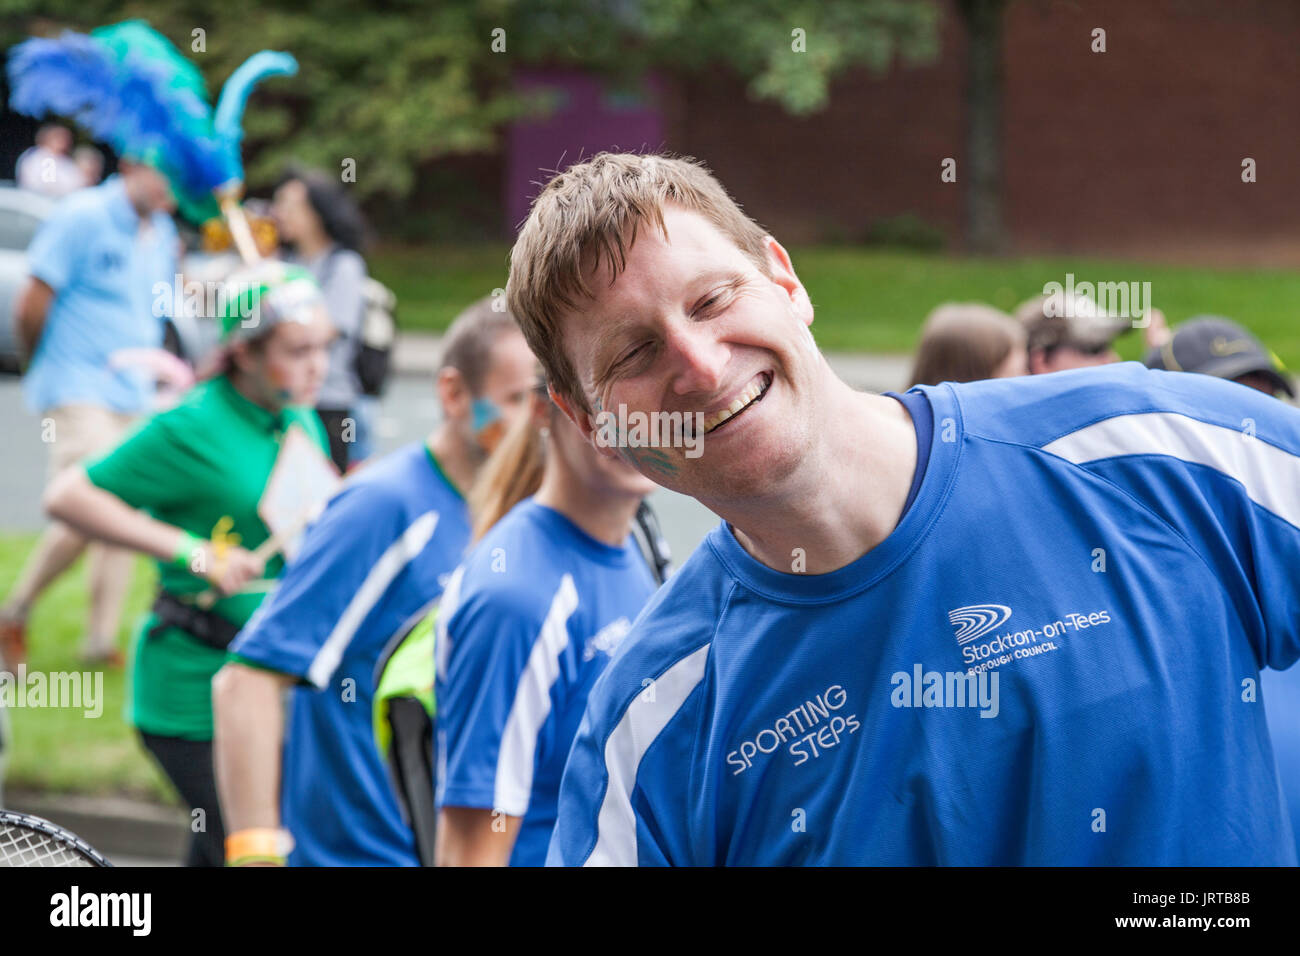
{"x":96,"y":269}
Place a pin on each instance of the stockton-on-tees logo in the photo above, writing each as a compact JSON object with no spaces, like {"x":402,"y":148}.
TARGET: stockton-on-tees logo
{"x":976,"y":620}
{"x":982,"y":647}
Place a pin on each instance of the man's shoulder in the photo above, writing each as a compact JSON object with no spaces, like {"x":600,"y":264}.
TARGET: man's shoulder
{"x":505,"y":575}
{"x":1039,"y":409}
{"x":667,"y":648}
{"x":391,"y":493}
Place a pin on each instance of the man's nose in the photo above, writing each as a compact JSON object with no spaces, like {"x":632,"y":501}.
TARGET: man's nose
{"x":699,"y":359}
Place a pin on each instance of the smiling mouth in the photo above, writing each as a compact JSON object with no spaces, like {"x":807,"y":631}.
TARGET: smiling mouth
{"x":749,"y":397}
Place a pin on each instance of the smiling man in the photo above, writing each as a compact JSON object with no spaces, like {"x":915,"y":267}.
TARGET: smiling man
{"x":1110,"y":552}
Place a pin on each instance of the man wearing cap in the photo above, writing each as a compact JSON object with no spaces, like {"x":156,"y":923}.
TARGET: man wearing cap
{"x":90,"y":292}
{"x":187,"y":487}
{"x":1213,"y":345}
{"x":1065,"y":330}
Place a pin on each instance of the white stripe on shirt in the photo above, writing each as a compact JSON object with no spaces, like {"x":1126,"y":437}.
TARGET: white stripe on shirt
{"x":1268,"y":473}
{"x":390,"y":564}
{"x":646,"y":717}
{"x":447,"y":608}
{"x":532,"y":704}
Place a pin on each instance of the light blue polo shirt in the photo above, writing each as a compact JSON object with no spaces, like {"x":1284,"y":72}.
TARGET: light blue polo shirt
{"x":113,"y":288}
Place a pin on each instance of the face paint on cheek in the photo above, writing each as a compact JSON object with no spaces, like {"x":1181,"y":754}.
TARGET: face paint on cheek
{"x":279,"y":386}
{"x":486,"y":423}
{"x":651,"y":460}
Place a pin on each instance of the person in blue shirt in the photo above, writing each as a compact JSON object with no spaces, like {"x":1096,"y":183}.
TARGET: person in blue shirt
{"x":371,"y":565}
{"x":1018,"y":621}
{"x":527,"y":624}
{"x":102,"y":274}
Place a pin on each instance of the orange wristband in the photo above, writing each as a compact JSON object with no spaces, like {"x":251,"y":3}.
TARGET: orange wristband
{"x":258,"y":845}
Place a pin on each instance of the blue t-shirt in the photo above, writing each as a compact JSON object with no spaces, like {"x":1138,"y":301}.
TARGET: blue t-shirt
{"x":1281,"y":692}
{"x":112,"y":289}
{"x":526,"y":625}
{"x":918,"y":406}
{"x":1116,"y":546}
{"x":368,"y":568}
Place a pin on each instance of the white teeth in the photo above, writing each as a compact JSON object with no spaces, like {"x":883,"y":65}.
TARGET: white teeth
{"x":752,"y":392}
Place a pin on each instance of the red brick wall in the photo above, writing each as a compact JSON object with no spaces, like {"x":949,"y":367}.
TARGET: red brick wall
{"x":1136,"y":150}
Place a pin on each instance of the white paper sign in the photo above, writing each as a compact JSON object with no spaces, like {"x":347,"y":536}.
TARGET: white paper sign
{"x":301,"y":482}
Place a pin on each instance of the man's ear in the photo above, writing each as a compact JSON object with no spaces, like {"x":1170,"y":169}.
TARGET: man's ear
{"x":585,"y":423}
{"x":241,"y":357}
{"x":781,"y":271}
{"x":580,"y":419}
{"x":453,"y":394}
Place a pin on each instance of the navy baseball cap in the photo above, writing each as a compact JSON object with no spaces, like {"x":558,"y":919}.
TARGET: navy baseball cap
{"x":1213,"y":345}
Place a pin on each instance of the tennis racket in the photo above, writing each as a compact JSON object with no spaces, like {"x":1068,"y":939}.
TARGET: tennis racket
{"x":26,"y":840}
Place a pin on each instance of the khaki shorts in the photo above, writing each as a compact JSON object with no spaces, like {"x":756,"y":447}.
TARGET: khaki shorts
{"x":77,"y":432}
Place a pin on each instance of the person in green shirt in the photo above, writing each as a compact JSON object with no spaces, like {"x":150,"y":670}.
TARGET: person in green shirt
{"x":184,"y":486}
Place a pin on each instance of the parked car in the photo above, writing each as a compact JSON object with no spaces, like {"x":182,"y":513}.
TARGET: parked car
{"x":21,"y":212}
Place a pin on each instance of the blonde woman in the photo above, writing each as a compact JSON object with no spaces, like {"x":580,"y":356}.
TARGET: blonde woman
{"x":526,"y":625}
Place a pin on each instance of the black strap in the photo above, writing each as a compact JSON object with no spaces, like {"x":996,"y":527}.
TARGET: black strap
{"x":204,"y":626}
{"x":656,"y":544}
{"x":411,"y":763}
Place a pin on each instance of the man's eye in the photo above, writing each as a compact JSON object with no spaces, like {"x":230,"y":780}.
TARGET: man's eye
{"x":712,"y":301}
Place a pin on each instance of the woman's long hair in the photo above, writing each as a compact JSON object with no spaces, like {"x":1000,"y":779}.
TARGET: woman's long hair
{"x":964,"y":342}
{"x":512,"y":472}
{"x":339,"y":214}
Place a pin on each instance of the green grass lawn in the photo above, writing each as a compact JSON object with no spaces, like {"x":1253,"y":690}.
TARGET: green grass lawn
{"x":62,"y":749}
{"x":870,"y":299}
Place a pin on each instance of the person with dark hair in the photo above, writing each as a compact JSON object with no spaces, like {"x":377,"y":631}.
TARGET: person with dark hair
{"x":967,"y":342}
{"x":368,"y":569}
{"x":323,"y":229}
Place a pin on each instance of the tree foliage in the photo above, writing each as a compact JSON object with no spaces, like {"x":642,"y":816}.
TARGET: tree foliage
{"x":395,"y":83}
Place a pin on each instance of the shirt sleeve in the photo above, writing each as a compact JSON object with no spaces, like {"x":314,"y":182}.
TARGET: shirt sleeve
{"x":57,"y":249}
{"x":346,"y":565}
{"x":1222,"y":466}
{"x":155,"y":467}
{"x":344,"y":292}
{"x":489,"y":757}
{"x":587,"y":792}
{"x":625,"y":798}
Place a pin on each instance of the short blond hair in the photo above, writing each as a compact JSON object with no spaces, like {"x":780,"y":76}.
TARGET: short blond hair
{"x":589,"y":215}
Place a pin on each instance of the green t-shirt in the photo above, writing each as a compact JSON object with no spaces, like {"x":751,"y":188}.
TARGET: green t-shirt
{"x":198,"y":466}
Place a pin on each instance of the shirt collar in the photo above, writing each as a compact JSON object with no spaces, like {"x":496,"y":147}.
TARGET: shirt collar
{"x":259,"y":417}
{"x":119,"y":206}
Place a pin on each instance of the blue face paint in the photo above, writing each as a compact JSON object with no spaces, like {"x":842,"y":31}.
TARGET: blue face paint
{"x":485,"y":413}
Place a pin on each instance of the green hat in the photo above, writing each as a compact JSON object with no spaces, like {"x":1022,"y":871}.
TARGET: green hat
{"x":261,"y":296}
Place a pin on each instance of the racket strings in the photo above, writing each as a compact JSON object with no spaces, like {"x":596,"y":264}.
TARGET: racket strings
{"x":22,"y":846}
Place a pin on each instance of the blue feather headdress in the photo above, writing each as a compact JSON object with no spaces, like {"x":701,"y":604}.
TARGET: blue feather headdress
{"x":129,"y":87}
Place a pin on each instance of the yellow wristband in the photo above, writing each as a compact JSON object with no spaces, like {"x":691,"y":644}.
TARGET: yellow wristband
{"x":258,"y":844}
